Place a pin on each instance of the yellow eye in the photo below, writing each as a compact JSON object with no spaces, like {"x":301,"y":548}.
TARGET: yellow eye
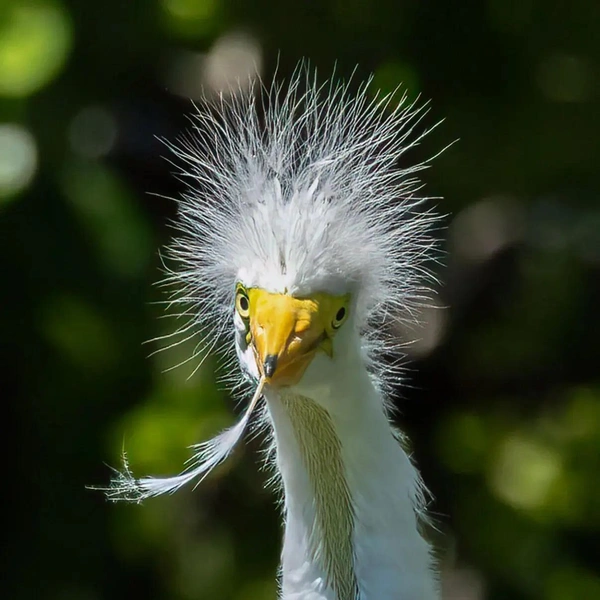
{"x":340,"y":317}
{"x":242,"y":303}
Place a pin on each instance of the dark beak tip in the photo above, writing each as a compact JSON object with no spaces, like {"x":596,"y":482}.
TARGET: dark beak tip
{"x":270,"y":365}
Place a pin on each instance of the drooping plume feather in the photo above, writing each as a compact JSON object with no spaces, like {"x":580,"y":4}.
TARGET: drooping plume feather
{"x":207,"y":455}
{"x":256,"y":162}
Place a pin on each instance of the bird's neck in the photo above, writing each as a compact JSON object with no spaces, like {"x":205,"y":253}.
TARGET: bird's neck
{"x":350,"y":497}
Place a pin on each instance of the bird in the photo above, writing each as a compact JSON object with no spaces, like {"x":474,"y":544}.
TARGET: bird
{"x":302,"y":238}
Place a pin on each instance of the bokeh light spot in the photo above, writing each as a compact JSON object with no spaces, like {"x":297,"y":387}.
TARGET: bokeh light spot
{"x":93,"y":132}
{"x":35,"y":39}
{"x":229,"y":67}
{"x":190,"y":9}
{"x":233,"y":61}
{"x":525,"y":471}
{"x":18,"y":159}
{"x":190,"y":18}
{"x":485,"y":228}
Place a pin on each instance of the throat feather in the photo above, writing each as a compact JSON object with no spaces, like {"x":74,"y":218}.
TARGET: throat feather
{"x":321,"y":452}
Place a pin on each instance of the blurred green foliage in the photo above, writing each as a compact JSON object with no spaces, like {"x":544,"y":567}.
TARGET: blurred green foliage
{"x":503,"y":406}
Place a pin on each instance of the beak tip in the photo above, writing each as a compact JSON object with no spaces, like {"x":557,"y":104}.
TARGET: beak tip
{"x":269,"y":365}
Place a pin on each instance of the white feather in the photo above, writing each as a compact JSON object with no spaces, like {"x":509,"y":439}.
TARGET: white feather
{"x":207,"y":455}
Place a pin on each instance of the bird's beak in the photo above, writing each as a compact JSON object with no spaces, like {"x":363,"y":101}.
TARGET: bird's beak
{"x":286,"y":334}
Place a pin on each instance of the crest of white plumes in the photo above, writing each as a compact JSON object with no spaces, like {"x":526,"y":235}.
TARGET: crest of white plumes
{"x":298,"y":186}
{"x":303,"y":183}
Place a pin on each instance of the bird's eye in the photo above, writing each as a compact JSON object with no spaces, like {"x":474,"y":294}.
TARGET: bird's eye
{"x":242,"y":304}
{"x":340,"y":317}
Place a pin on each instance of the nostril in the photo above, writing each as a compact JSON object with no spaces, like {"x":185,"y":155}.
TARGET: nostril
{"x":270,"y":365}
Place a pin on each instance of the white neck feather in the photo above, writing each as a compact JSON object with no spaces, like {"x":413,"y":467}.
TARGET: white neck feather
{"x":351,"y":531}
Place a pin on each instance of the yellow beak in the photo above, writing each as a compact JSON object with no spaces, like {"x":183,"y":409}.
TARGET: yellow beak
{"x":286,"y":334}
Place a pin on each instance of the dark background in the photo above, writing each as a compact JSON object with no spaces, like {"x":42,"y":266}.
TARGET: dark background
{"x":502,"y":401}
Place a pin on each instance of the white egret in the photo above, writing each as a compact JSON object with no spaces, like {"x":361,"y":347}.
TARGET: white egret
{"x":300,"y":237}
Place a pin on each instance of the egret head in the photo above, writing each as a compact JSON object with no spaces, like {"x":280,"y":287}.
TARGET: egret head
{"x":301,"y":222}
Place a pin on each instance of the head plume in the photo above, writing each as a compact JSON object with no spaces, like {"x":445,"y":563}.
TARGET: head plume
{"x":298,"y":188}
